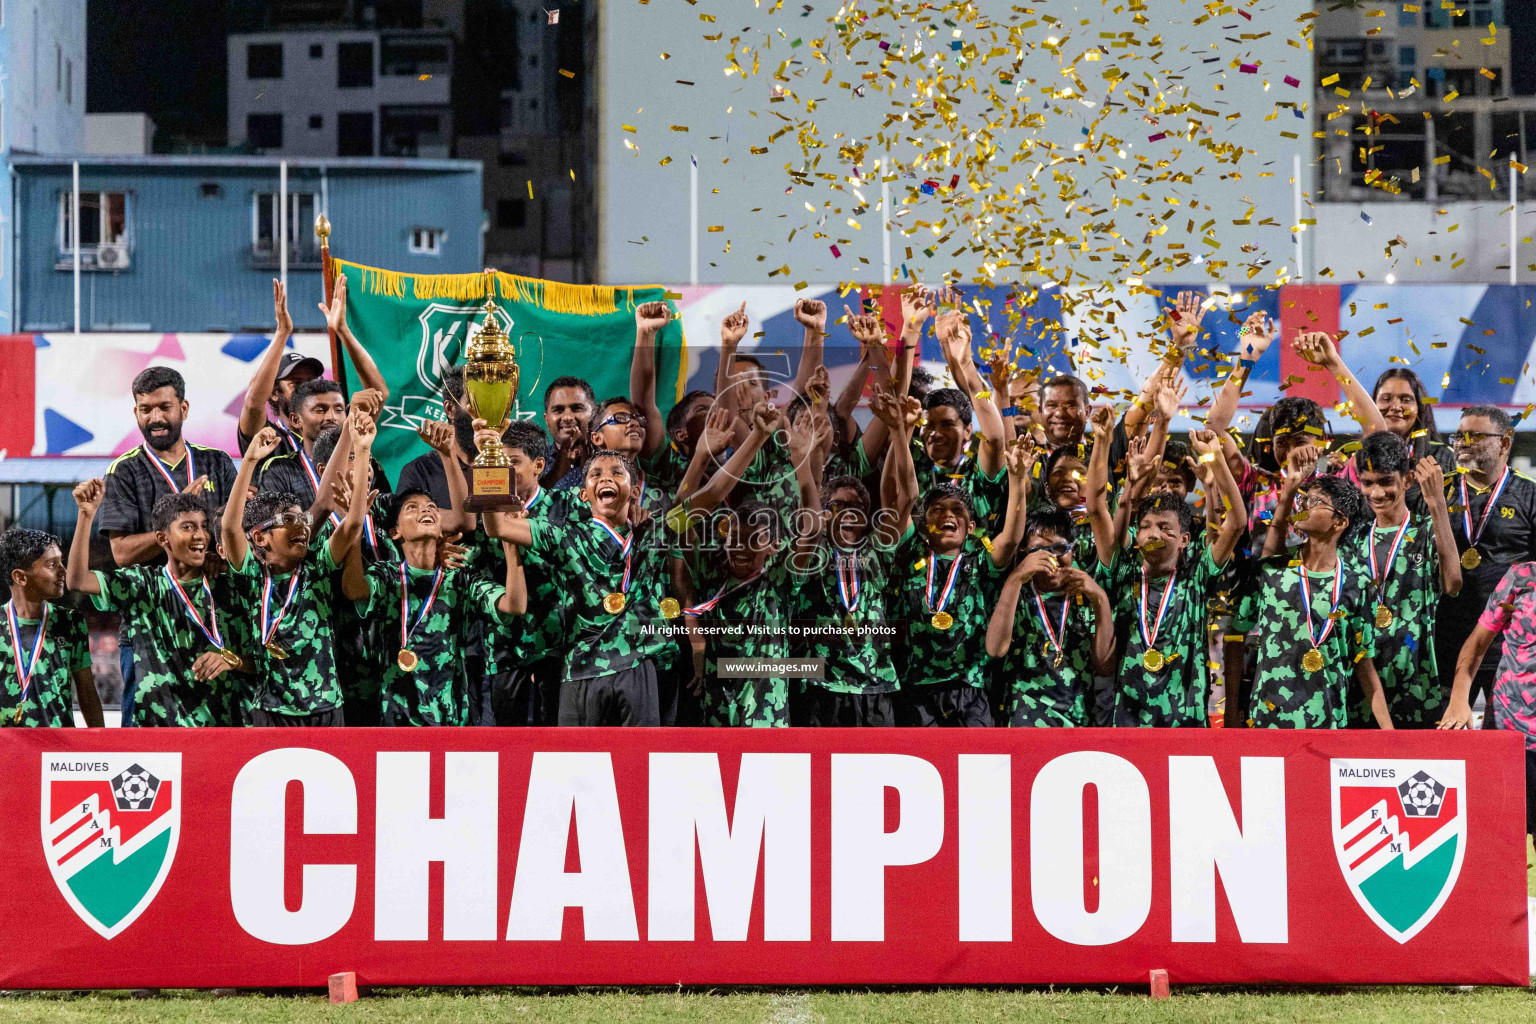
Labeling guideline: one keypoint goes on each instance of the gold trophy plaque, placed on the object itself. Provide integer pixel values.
(490, 386)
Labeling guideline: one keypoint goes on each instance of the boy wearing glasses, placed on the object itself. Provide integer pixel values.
(1311, 616)
(1493, 518)
(289, 587)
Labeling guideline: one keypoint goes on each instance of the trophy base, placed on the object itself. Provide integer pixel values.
(490, 488)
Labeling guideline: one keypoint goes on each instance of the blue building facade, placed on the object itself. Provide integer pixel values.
(191, 243)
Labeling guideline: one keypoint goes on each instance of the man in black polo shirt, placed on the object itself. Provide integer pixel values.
(1493, 517)
(316, 406)
(165, 464)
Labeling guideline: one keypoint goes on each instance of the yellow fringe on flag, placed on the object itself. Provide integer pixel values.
(554, 296)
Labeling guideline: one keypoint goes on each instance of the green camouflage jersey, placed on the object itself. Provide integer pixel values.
(762, 602)
(523, 640)
(770, 478)
(664, 469)
(166, 643)
(436, 690)
(1040, 692)
(66, 648)
(586, 564)
(1285, 694)
(304, 682)
(948, 657)
(859, 660)
(360, 661)
(989, 495)
(1406, 647)
(1176, 693)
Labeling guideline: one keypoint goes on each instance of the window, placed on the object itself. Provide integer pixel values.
(210, 190)
(316, 122)
(414, 131)
(264, 60)
(354, 134)
(427, 241)
(303, 247)
(1405, 79)
(511, 213)
(512, 159)
(103, 222)
(354, 65)
(264, 131)
(1407, 56)
(1406, 19)
(316, 51)
(414, 55)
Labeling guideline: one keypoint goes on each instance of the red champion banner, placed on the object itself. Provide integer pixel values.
(263, 857)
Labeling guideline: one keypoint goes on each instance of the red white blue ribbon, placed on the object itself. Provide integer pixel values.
(1466, 507)
(368, 534)
(949, 584)
(268, 632)
(1380, 578)
(1149, 638)
(210, 629)
(1306, 602)
(1053, 636)
(626, 545)
(170, 481)
(309, 468)
(24, 667)
(407, 628)
(727, 588)
(848, 582)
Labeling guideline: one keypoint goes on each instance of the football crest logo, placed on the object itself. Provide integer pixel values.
(1399, 830)
(110, 824)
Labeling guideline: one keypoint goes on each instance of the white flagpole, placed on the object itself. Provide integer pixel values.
(1514, 221)
(282, 228)
(693, 220)
(74, 241)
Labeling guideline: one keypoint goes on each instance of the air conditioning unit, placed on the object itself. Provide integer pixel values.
(112, 256)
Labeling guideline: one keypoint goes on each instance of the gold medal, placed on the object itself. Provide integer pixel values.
(1471, 558)
(849, 620)
(1312, 661)
(942, 620)
(670, 608)
(1153, 660)
(407, 660)
(1383, 616)
(231, 659)
(275, 650)
(613, 603)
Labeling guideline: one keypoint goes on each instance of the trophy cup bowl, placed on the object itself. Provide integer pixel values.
(490, 387)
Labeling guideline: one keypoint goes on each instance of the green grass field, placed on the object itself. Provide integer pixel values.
(609, 1006)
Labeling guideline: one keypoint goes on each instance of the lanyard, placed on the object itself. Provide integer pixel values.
(1053, 636)
(169, 480)
(1149, 639)
(626, 546)
(24, 667)
(949, 584)
(959, 471)
(407, 628)
(701, 608)
(309, 469)
(288, 437)
(268, 632)
(210, 629)
(1466, 507)
(1306, 602)
(1380, 578)
(368, 534)
(848, 582)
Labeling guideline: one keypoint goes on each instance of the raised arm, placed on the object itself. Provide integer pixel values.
(869, 332)
(336, 319)
(1216, 476)
(1431, 480)
(77, 570)
(1184, 318)
(765, 421)
(1319, 349)
(917, 305)
(806, 434)
(650, 318)
(812, 313)
(344, 537)
(719, 432)
(898, 477)
(732, 329)
(439, 437)
(1105, 540)
(253, 412)
(515, 600)
(954, 332)
(1253, 340)
(232, 527)
(1298, 470)
(1020, 460)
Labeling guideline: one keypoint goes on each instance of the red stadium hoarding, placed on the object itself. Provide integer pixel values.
(263, 857)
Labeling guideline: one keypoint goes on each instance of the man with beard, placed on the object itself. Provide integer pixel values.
(568, 406)
(1493, 518)
(164, 464)
(281, 371)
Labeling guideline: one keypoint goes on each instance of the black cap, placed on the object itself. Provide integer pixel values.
(293, 362)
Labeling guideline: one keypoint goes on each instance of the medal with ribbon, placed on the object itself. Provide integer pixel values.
(1379, 577)
(269, 631)
(368, 531)
(24, 664)
(1312, 661)
(941, 618)
(309, 468)
(209, 629)
(407, 658)
(614, 603)
(1153, 660)
(170, 481)
(848, 584)
(1472, 558)
(1053, 637)
(727, 588)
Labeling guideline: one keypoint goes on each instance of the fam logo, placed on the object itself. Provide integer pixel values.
(447, 328)
(1399, 829)
(110, 824)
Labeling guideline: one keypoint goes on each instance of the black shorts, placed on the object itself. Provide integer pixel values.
(272, 719)
(817, 706)
(622, 698)
(944, 705)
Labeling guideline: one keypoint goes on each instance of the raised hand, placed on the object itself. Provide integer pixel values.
(1301, 463)
(812, 313)
(719, 429)
(1000, 369)
(1317, 348)
(766, 419)
(484, 433)
(1102, 419)
(362, 425)
(372, 402)
(733, 328)
(335, 314)
(1184, 318)
(1169, 397)
(88, 495)
(915, 308)
(1256, 335)
(280, 307)
(438, 436)
(1430, 478)
(1140, 464)
(802, 437)
(1019, 458)
(819, 386)
(263, 444)
(651, 317)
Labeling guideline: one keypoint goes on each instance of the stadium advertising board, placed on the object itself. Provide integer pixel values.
(263, 857)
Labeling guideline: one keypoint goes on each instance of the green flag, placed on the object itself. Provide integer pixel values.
(414, 326)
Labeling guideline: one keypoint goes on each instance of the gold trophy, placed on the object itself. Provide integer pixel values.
(490, 385)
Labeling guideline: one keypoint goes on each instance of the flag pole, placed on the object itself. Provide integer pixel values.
(328, 281)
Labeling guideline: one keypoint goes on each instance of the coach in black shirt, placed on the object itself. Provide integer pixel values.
(317, 405)
(1493, 516)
